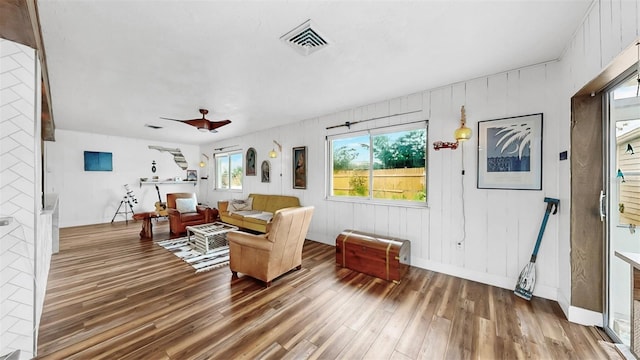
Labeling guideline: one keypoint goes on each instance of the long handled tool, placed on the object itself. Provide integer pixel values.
(527, 278)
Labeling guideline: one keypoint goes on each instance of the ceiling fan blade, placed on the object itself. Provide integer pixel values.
(199, 123)
(181, 120)
(217, 124)
(202, 124)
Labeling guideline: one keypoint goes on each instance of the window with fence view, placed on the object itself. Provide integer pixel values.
(229, 171)
(384, 164)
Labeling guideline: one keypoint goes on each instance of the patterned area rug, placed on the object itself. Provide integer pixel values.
(180, 247)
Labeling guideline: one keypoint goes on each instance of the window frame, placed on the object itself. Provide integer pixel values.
(371, 133)
(229, 155)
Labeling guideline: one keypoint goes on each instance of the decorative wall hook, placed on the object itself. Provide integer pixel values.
(445, 145)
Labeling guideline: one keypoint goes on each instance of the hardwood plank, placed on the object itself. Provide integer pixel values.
(485, 339)
(450, 297)
(113, 296)
(460, 344)
(366, 336)
(435, 343)
(392, 332)
(414, 334)
(301, 351)
(275, 351)
(330, 348)
(505, 317)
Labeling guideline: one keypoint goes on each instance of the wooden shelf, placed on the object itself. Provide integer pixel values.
(167, 182)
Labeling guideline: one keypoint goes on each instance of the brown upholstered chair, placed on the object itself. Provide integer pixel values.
(267, 256)
(196, 215)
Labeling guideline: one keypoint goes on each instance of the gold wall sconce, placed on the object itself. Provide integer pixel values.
(202, 162)
(463, 133)
(273, 154)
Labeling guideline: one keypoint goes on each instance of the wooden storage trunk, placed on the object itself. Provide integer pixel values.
(381, 256)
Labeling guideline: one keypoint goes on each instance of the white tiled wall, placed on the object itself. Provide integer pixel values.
(18, 144)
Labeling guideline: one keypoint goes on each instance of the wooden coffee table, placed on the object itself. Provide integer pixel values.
(147, 227)
(209, 236)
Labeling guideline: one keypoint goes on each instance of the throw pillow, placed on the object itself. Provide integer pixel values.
(186, 205)
(241, 205)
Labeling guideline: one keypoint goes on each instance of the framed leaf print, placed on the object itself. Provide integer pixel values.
(510, 153)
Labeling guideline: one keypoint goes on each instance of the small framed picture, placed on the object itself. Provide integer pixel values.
(300, 167)
(510, 153)
(251, 162)
(192, 175)
(266, 170)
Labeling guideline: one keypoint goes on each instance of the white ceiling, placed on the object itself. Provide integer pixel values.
(115, 66)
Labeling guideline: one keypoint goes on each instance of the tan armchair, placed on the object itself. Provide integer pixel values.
(179, 220)
(267, 256)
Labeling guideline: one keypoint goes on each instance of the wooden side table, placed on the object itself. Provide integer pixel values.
(147, 227)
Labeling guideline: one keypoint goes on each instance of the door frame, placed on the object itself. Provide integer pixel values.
(606, 184)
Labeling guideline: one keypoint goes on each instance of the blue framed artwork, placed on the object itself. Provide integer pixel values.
(98, 161)
(510, 153)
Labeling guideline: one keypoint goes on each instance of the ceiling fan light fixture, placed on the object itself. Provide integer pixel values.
(203, 124)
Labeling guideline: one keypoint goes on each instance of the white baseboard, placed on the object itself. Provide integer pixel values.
(542, 291)
(321, 238)
(585, 317)
(579, 315)
(564, 303)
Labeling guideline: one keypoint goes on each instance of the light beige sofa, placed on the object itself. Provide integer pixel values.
(261, 203)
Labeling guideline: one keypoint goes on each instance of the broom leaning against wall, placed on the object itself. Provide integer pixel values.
(527, 279)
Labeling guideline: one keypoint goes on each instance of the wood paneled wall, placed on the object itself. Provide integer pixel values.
(493, 238)
(601, 49)
(500, 225)
(587, 245)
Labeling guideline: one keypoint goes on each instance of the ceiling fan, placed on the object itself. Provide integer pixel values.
(203, 124)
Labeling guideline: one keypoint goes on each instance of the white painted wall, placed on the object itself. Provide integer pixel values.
(501, 225)
(92, 197)
(610, 27)
(21, 294)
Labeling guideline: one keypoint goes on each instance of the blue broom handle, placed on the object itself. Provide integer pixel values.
(550, 205)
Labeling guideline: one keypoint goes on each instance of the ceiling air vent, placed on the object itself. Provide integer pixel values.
(305, 39)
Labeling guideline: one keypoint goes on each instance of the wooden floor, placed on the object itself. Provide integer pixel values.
(113, 296)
